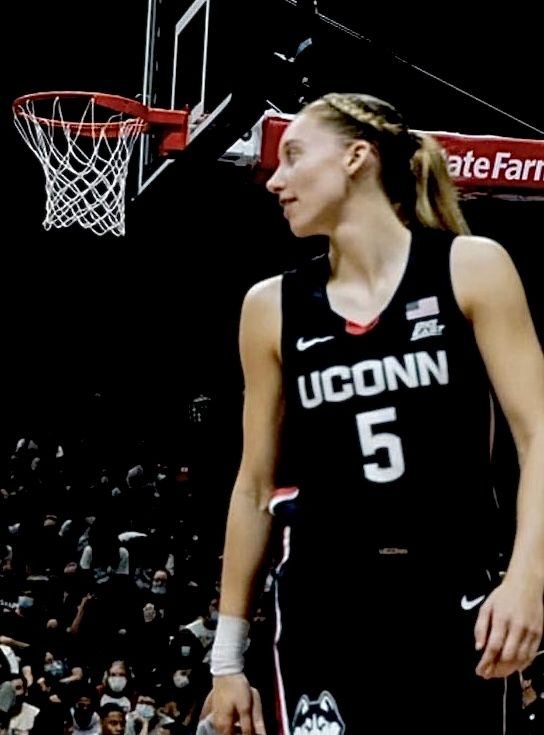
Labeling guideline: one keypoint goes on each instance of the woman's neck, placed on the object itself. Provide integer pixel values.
(368, 242)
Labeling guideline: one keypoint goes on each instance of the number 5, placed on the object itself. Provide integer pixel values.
(371, 442)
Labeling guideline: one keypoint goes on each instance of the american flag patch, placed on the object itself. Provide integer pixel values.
(422, 307)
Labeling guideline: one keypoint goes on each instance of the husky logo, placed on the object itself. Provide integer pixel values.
(317, 717)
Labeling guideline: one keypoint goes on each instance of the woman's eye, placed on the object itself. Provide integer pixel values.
(291, 155)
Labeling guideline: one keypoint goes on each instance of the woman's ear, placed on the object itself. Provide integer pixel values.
(355, 156)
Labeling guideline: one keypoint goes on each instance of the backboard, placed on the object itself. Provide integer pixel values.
(182, 68)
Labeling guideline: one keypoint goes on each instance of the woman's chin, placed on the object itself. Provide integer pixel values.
(301, 229)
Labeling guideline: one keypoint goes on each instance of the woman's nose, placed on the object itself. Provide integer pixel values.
(274, 184)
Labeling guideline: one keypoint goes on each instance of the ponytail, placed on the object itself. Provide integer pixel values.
(436, 203)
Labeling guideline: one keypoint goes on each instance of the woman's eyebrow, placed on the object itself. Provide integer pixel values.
(292, 143)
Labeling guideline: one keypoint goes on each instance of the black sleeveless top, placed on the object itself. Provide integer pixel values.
(387, 426)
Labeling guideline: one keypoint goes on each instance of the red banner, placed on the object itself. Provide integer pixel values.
(475, 161)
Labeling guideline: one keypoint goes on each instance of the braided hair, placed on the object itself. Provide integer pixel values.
(414, 171)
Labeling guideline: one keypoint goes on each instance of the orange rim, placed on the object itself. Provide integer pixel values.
(137, 123)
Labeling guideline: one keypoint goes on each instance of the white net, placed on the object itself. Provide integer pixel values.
(85, 162)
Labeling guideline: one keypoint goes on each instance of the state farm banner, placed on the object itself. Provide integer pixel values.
(484, 161)
(475, 161)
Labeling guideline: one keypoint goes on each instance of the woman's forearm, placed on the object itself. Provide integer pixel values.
(246, 543)
(527, 558)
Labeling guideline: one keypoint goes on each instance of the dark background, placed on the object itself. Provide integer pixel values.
(149, 321)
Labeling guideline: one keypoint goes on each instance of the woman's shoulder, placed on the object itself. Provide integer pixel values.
(262, 301)
(477, 245)
(260, 319)
(265, 291)
(481, 267)
(477, 256)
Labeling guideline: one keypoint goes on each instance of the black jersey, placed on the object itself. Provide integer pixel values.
(388, 424)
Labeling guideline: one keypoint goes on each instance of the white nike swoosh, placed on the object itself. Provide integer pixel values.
(303, 344)
(469, 604)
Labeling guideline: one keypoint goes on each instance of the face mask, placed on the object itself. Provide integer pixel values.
(117, 683)
(83, 717)
(147, 711)
(158, 589)
(55, 668)
(180, 680)
(25, 602)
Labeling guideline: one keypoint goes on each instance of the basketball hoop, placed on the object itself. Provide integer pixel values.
(85, 150)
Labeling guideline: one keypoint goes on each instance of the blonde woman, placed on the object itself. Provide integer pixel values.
(370, 372)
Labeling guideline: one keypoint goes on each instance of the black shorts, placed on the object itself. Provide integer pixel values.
(384, 649)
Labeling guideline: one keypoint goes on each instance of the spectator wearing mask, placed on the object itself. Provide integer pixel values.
(161, 595)
(145, 719)
(19, 628)
(16, 714)
(184, 693)
(53, 658)
(116, 687)
(85, 719)
(185, 651)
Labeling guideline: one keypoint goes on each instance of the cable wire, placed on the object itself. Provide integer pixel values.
(360, 37)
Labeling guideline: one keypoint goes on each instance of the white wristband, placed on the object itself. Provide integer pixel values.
(229, 645)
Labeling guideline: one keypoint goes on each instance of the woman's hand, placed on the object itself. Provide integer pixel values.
(509, 628)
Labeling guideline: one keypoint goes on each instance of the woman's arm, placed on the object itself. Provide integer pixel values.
(249, 523)
(490, 292)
